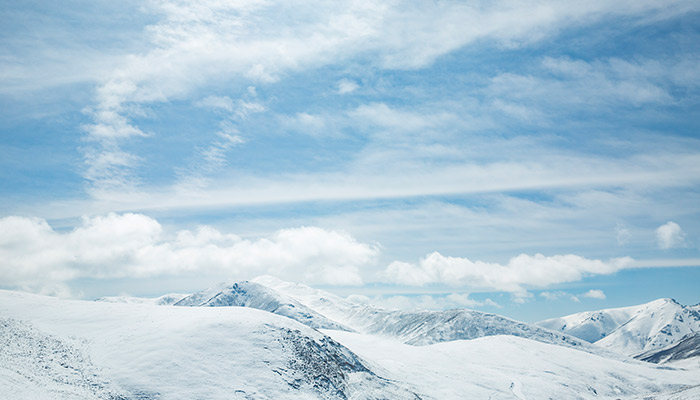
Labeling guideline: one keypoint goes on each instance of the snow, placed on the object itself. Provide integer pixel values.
(631, 330)
(67, 349)
(255, 295)
(416, 327)
(686, 348)
(507, 367)
(150, 352)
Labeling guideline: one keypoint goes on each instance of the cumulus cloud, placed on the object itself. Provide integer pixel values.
(670, 235)
(595, 294)
(135, 245)
(520, 272)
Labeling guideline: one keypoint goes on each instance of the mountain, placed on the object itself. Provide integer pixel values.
(255, 295)
(66, 349)
(415, 327)
(687, 347)
(631, 330)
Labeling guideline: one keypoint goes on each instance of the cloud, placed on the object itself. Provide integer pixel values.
(216, 102)
(595, 294)
(197, 45)
(135, 246)
(564, 86)
(559, 295)
(520, 272)
(670, 235)
(347, 86)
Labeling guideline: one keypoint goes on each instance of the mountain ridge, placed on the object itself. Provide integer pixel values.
(631, 330)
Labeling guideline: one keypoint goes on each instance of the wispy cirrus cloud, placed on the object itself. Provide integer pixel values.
(193, 46)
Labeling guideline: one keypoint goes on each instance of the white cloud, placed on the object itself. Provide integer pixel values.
(570, 84)
(670, 235)
(134, 245)
(216, 102)
(308, 124)
(347, 86)
(595, 294)
(559, 295)
(520, 272)
(384, 116)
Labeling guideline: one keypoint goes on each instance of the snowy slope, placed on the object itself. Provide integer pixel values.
(508, 367)
(688, 347)
(165, 300)
(631, 330)
(142, 351)
(61, 349)
(416, 327)
(255, 295)
(34, 365)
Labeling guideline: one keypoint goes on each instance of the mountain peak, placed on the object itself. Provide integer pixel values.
(631, 330)
(256, 295)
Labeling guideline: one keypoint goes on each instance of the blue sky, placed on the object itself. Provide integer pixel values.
(527, 159)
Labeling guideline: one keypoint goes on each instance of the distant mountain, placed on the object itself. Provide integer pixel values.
(688, 347)
(67, 349)
(415, 327)
(255, 295)
(165, 300)
(631, 330)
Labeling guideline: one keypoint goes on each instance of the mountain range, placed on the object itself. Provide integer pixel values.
(631, 330)
(270, 339)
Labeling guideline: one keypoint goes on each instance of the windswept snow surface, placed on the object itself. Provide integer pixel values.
(255, 295)
(150, 352)
(631, 330)
(416, 327)
(509, 367)
(34, 365)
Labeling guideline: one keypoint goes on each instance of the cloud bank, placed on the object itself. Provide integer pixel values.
(134, 245)
(520, 272)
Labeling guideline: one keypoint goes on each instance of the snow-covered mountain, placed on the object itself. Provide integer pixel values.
(62, 349)
(66, 349)
(631, 330)
(255, 295)
(415, 327)
(687, 347)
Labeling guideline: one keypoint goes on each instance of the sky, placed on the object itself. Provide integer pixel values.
(531, 159)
